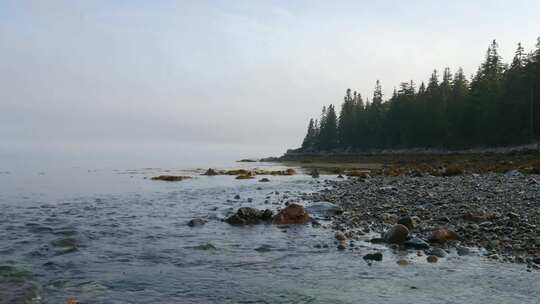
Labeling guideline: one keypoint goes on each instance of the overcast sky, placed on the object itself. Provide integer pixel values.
(233, 72)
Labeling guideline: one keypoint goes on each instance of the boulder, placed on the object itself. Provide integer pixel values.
(249, 216)
(442, 236)
(292, 214)
(315, 173)
(377, 256)
(397, 234)
(264, 180)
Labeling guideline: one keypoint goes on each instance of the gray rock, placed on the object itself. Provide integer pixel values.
(416, 243)
(438, 252)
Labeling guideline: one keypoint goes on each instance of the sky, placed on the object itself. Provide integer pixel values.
(92, 75)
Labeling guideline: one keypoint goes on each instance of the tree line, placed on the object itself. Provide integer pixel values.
(499, 105)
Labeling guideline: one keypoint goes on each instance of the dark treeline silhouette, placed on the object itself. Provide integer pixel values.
(499, 105)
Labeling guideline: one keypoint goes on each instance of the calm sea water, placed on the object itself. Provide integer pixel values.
(133, 244)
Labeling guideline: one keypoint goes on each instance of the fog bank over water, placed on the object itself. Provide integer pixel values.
(128, 155)
(143, 81)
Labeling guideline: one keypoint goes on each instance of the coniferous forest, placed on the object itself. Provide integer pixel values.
(499, 105)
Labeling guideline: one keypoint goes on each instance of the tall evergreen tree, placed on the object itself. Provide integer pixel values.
(499, 106)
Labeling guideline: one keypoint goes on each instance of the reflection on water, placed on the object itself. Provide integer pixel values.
(112, 236)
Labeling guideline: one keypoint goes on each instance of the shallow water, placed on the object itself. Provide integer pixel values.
(132, 245)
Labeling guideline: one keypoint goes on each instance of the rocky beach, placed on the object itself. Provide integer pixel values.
(497, 214)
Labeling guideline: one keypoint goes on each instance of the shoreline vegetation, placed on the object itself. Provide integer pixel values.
(498, 106)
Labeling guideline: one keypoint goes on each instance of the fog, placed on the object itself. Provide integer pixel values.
(83, 76)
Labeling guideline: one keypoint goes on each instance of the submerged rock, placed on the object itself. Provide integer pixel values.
(16, 286)
(206, 246)
(171, 178)
(65, 245)
(264, 180)
(397, 234)
(324, 209)
(197, 222)
(249, 216)
(377, 256)
(291, 215)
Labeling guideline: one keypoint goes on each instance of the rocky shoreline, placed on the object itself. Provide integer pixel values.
(499, 213)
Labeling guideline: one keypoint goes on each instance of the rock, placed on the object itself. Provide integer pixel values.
(340, 176)
(264, 180)
(408, 222)
(264, 248)
(397, 234)
(170, 178)
(315, 173)
(290, 171)
(245, 176)
(292, 214)
(206, 246)
(250, 200)
(438, 252)
(340, 236)
(389, 218)
(237, 197)
(342, 246)
(249, 216)
(442, 236)
(416, 243)
(432, 259)
(377, 256)
(210, 172)
(402, 262)
(197, 222)
(72, 301)
(536, 260)
(324, 209)
(463, 250)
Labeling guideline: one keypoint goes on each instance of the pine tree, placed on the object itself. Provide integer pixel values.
(310, 139)
(499, 106)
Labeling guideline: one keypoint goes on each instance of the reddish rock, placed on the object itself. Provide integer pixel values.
(293, 214)
(442, 236)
